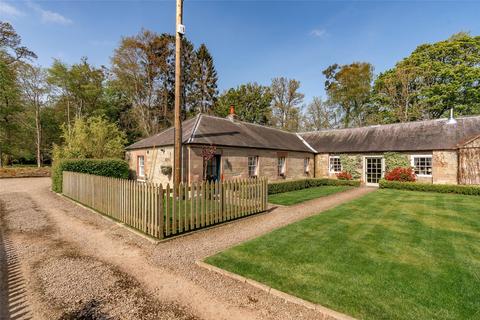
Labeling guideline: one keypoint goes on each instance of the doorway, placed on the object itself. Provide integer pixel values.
(213, 168)
(373, 170)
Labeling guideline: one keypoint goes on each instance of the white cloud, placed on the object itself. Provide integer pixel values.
(48, 16)
(9, 10)
(54, 17)
(319, 33)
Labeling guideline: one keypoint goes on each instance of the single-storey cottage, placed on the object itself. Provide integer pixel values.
(237, 150)
(443, 151)
(440, 151)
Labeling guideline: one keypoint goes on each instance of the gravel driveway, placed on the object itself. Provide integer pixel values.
(65, 262)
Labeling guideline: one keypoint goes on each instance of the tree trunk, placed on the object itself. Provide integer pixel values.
(38, 134)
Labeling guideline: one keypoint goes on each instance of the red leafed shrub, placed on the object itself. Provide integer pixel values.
(344, 175)
(401, 174)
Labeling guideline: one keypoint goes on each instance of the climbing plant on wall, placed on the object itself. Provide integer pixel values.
(352, 165)
(395, 160)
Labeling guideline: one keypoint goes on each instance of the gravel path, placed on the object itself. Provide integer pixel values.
(79, 265)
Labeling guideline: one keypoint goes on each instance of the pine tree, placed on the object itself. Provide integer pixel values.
(204, 94)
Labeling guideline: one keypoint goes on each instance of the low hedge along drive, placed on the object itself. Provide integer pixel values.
(114, 168)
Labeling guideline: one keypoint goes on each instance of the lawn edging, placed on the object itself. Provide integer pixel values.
(427, 187)
(327, 313)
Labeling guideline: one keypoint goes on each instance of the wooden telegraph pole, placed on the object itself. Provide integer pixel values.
(179, 32)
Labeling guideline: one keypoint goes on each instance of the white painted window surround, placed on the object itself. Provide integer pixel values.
(422, 165)
(252, 166)
(306, 165)
(282, 168)
(334, 164)
(141, 166)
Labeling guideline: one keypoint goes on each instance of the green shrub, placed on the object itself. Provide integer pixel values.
(292, 185)
(442, 188)
(115, 168)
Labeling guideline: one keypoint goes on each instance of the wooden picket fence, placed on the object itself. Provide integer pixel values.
(162, 211)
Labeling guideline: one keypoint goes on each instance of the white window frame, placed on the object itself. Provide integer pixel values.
(141, 168)
(365, 168)
(255, 165)
(330, 164)
(412, 162)
(306, 165)
(282, 166)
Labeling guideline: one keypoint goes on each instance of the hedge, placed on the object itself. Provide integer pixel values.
(115, 168)
(426, 187)
(292, 185)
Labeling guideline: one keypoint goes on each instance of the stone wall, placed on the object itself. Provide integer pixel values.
(322, 169)
(469, 162)
(445, 167)
(234, 163)
(155, 158)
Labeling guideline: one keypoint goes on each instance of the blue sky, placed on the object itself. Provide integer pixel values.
(249, 40)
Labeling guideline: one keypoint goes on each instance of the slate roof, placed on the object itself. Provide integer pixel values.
(411, 136)
(207, 130)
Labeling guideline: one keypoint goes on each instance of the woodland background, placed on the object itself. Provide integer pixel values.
(87, 111)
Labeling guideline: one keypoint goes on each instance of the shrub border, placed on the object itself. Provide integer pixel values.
(292, 185)
(427, 187)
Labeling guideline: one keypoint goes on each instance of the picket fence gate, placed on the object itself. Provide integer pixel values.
(163, 211)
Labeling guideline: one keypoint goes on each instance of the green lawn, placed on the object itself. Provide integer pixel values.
(388, 255)
(297, 196)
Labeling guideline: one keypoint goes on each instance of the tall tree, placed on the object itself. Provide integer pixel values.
(349, 87)
(320, 115)
(143, 68)
(78, 88)
(252, 103)
(204, 93)
(286, 103)
(35, 90)
(433, 79)
(12, 53)
(10, 45)
(10, 109)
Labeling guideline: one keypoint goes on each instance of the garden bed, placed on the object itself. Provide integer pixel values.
(24, 172)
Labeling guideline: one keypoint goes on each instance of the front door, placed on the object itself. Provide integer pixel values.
(373, 170)
(213, 168)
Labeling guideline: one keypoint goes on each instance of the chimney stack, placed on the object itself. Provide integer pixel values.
(231, 116)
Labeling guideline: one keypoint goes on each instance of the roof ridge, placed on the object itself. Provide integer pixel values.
(388, 124)
(249, 123)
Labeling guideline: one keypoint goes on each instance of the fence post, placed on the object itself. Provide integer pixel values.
(161, 213)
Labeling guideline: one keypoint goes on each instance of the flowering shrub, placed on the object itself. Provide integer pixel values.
(344, 175)
(401, 174)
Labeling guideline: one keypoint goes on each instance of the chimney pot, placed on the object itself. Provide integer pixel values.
(231, 116)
